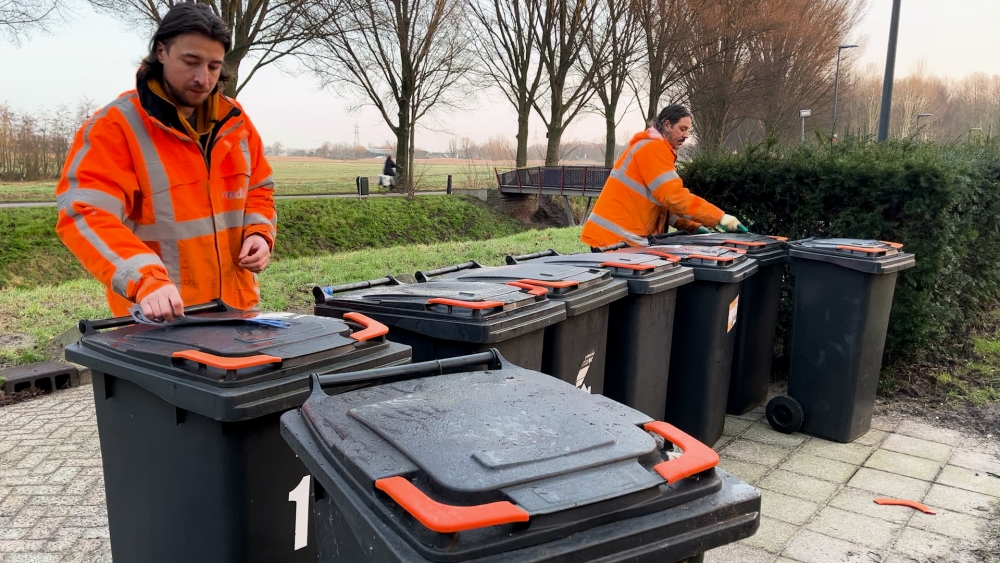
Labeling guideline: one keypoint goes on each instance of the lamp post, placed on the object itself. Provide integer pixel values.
(836, 88)
(804, 113)
(890, 70)
(919, 115)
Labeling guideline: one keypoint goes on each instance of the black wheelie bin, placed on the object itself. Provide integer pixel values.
(760, 299)
(843, 296)
(704, 335)
(443, 320)
(506, 465)
(574, 349)
(195, 469)
(640, 326)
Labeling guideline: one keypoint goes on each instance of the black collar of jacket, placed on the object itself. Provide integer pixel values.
(158, 108)
(165, 111)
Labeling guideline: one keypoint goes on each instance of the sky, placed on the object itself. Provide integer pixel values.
(95, 56)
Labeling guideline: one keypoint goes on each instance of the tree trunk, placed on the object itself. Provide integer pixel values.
(523, 113)
(232, 62)
(611, 142)
(403, 156)
(552, 147)
(654, 102)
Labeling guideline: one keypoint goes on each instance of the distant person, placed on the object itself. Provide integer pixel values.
(644, 192)
(166, 196)
(389, 170)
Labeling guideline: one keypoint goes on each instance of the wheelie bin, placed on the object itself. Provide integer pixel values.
(843, 295)
(505, 465)
(701, 352)
(758, 312)
(640, 326)
(195, 469)
(574, 349)
(442, 320)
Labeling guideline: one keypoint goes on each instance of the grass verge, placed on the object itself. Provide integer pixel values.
(44, 313)
(31, 254)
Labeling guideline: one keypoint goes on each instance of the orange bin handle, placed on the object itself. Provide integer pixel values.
(782, 239)
(896, 245)
(716, 258)
(753, 244)
(225, 363)
(862, 249)
(552, 284)
(697, 457)
(623, 266)
(373, 328)
(664, 255)
(532, 289)
(477, 305)
(446, 518)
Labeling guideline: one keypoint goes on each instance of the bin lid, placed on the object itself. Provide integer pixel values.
(865, 255)
(581, 289)
(644, 273)
(765, 249)
(477, 454)
(230, 352)
(710, 263)
(463, 311)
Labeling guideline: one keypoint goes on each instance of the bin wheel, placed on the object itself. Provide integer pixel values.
(785, 414)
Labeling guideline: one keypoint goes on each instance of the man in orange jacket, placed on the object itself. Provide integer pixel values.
(644, 192)
(166, 197)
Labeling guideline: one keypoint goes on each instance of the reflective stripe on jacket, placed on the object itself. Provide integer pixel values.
(642, 194)
(142, 205)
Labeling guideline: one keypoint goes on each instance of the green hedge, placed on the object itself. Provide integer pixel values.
(941, 202)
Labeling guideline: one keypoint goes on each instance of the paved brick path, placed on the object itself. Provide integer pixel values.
(817, 495)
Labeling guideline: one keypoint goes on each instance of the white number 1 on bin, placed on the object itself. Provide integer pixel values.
(300, 496)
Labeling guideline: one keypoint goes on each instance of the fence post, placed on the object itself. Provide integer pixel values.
(449, 184)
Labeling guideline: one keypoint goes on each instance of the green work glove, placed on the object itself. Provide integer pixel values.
(731, 224)
(702, 230)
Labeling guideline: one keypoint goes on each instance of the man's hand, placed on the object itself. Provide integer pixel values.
(163, 304)
(255, 254)
(732, 224)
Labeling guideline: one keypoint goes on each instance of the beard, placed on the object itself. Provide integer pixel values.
(184, 97)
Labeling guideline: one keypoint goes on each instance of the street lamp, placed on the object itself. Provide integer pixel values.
(804, 113)
(919, 115)
(836, 87)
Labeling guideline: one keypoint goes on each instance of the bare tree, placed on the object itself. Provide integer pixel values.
(793, 59)
(721, 83)
(20, 17)
(562, 29)
(504, 36)
(666, 43)
(265, 31)
(614, 43)
(400, 56)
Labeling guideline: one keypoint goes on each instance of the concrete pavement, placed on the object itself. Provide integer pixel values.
(817, 496)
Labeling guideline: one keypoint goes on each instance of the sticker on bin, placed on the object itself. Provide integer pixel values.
(251, 318)
(581, 376)
(733, 308)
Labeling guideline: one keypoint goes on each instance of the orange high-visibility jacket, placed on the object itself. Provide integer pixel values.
(140, 204)
(642, 194)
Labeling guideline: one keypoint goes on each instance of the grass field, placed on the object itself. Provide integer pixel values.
(304, 176)
(32, 319)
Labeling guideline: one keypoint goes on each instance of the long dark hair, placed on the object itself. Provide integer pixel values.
(670, 114)
(186, 17)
